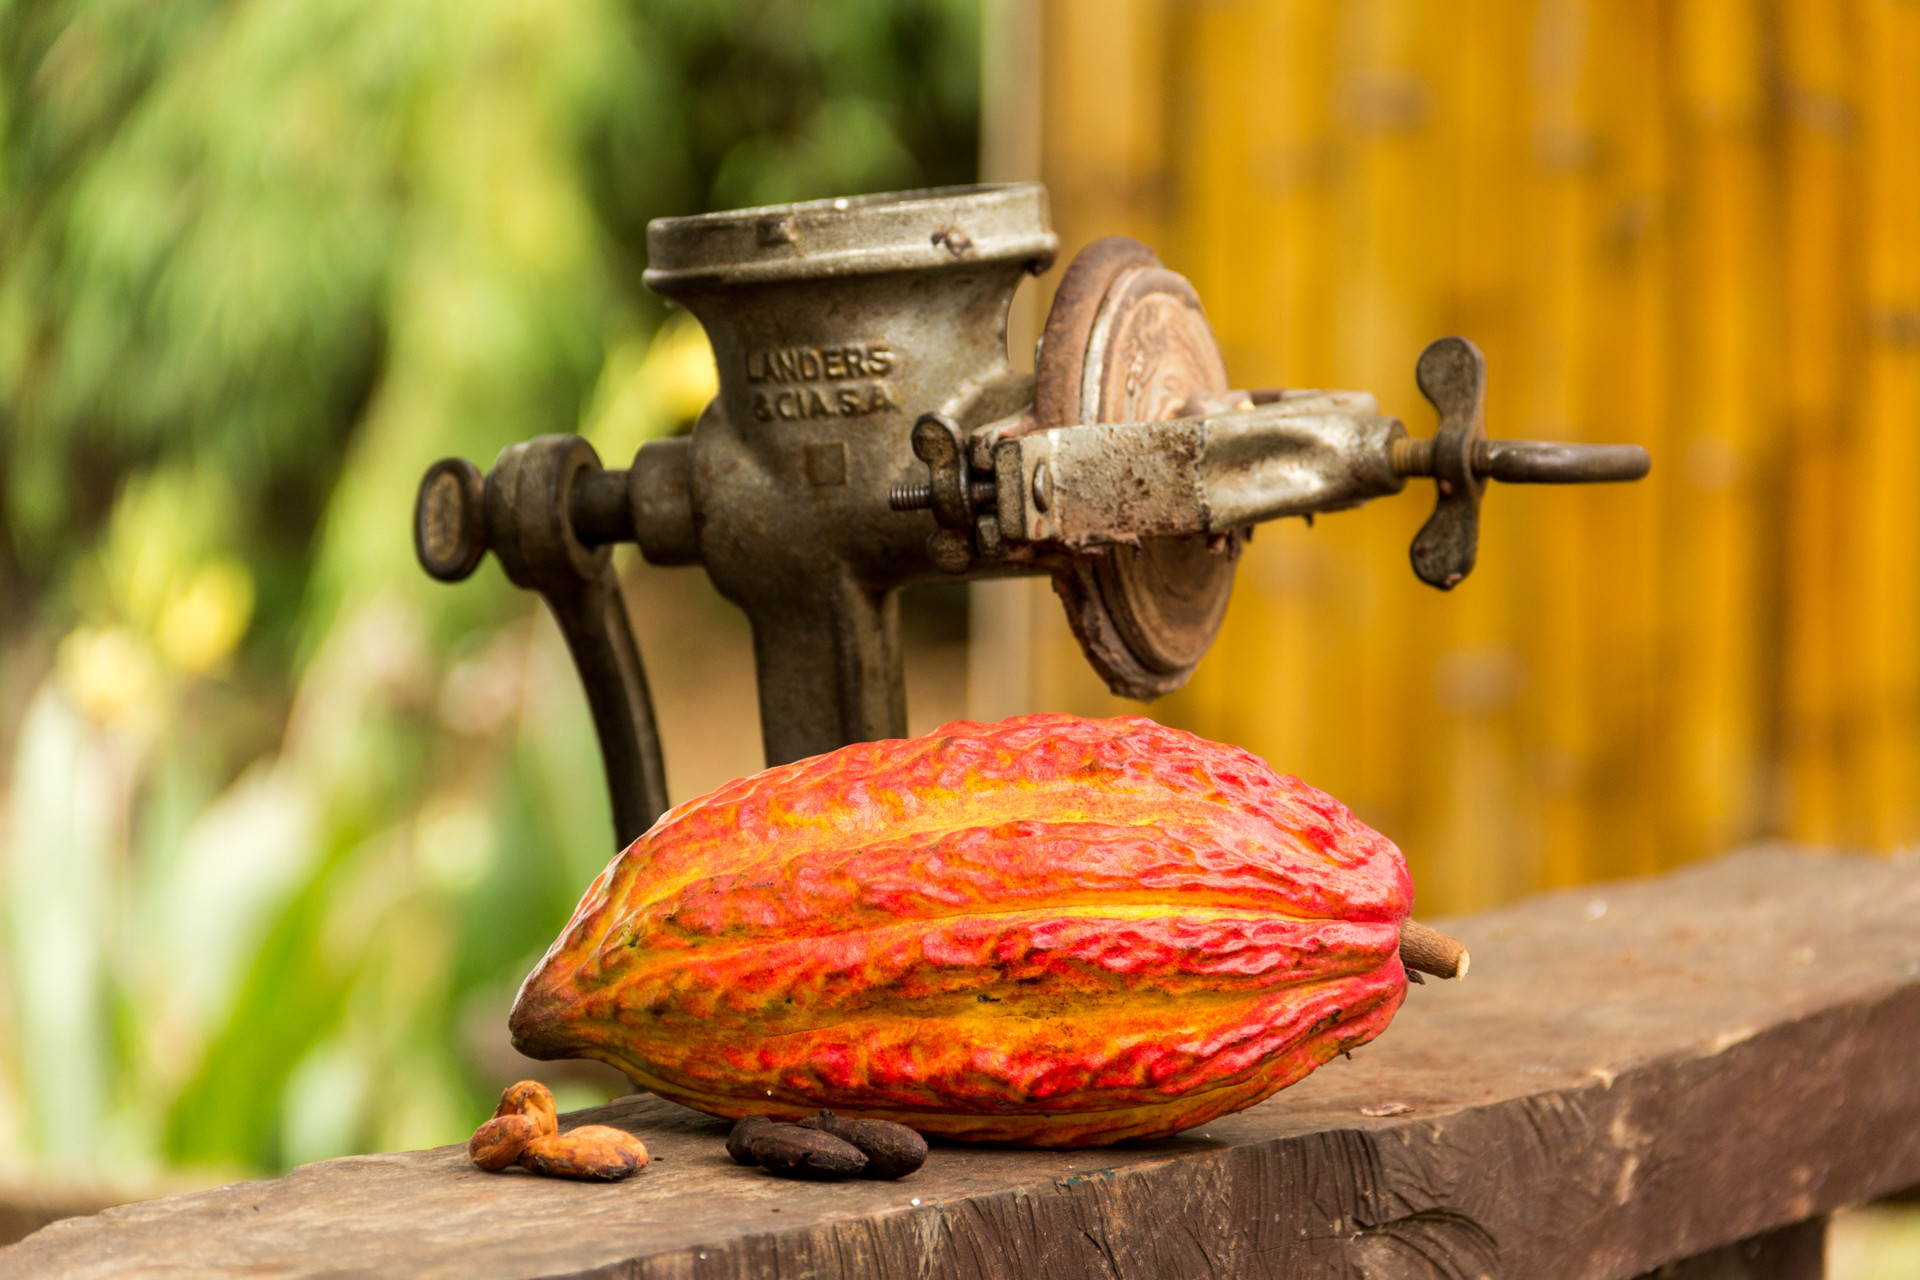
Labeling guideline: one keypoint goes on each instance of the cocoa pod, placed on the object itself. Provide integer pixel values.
(591, 1153)
(739, 1141)
(793, 1152)
(1048, 932)
(892, 1150)
(530, 1098)
(499, 1142)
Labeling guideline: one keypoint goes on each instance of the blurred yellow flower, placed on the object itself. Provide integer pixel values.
(454, 841)
(647, 388)
(108, 672)
(199, 626)
(680, 365)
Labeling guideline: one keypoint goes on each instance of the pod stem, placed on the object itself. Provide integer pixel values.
(1427, 950)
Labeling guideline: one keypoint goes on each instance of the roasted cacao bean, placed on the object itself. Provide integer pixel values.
(793, 1152)
(499, 1142)
(530, 1098)
(591, 1153)
(740, 1140)
(892, 1150)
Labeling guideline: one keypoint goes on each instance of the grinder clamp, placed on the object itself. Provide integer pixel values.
(869, 433)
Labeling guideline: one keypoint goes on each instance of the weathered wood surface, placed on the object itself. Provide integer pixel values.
(1718, 1053)
(26, 1209)
(1796, 1252)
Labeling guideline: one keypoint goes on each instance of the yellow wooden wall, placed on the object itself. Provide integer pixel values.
(1694, 224)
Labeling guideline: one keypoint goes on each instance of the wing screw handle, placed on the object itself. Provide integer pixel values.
(1453, 377)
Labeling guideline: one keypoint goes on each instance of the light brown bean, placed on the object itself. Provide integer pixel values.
(499, 1142)
(530, 1098)
(593, 1152)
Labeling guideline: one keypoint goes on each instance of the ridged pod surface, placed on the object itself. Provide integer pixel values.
(1049, 931)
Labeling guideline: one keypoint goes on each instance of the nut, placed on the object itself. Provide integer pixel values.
(793, 1152)
(530, 1098)
(740, 1140)
(499, 1142)
(592, 1153)
(892, 1150)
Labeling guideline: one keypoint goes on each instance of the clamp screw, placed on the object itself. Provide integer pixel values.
(911, 497)
(918, 497)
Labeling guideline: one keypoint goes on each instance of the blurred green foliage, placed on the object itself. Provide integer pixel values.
(285, 822)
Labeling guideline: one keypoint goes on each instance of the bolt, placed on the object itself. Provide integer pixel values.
(1043, 486)
(918, 497)
(1410, 457)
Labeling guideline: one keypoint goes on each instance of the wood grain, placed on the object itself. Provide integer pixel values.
(1634, 1073)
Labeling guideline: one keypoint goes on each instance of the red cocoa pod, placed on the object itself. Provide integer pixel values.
(1048, 931)
(794, 1152)
(530, 1098)
(892, 1150)
(740, 1141)
(591, 1153)
(499, 1142)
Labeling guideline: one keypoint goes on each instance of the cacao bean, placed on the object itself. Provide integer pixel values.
(741, 1139)
(591, 1153)
(892, 1150)
(530, 1098)
(793, 1152)
(499, 1142)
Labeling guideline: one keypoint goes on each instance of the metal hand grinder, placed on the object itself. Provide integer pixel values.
(869, 434)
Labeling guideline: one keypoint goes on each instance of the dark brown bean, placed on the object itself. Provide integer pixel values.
(741, 1138)
(892, 1150)
(499, 1142)
(530, 1098)
(793, 1152)
(591, 1153)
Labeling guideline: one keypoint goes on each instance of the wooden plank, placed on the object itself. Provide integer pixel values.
(1885, 662)
(1561, 643)
(1822, 199)
(1382, 314)
(1258, 215)
(1634, 1073)
(1720, 514)
(1475, 845)
(1105, 156)
(24, 1209)
(1630, 397)
(1000, 611)
(1798, 1252)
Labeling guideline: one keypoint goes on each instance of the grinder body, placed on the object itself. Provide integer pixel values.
(870, 433)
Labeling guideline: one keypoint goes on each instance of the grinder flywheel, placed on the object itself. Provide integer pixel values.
(1127, 341)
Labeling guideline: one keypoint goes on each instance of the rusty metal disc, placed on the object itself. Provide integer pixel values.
(1127, 341)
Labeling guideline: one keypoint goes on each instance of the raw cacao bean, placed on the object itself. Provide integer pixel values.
(499, 1142)
(892, 1150)
(740, 1140)
(530, 1098)
(793, 1152)
(1048, 931)
(591, 1153)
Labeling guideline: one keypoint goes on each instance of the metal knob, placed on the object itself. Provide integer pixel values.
(550, 515)
(449, 519)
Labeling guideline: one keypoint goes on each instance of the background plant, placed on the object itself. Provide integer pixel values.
(284, 822)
